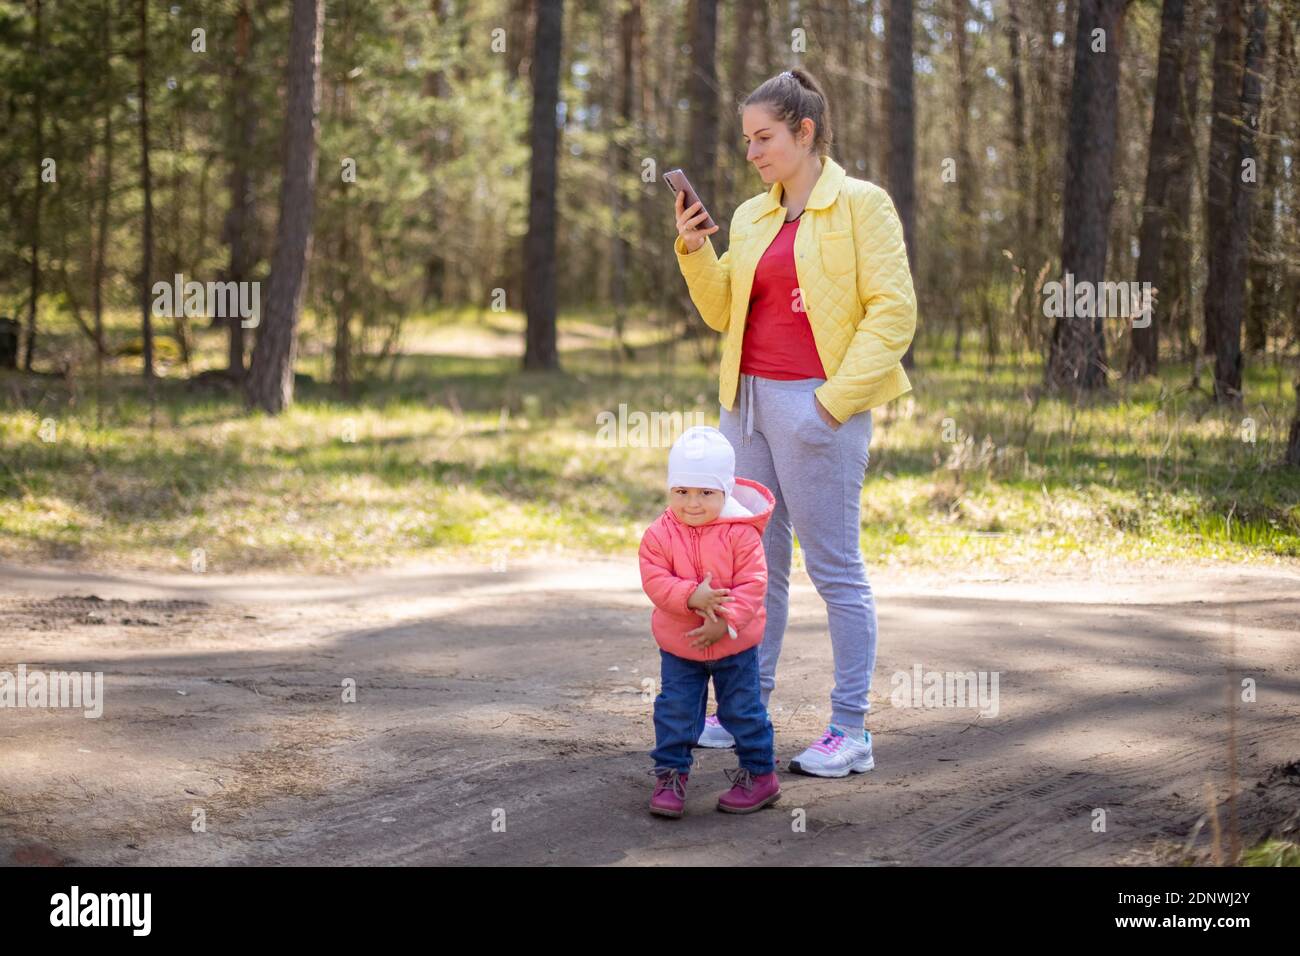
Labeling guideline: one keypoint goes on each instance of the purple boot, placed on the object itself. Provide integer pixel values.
(749, 792)
(670, 793)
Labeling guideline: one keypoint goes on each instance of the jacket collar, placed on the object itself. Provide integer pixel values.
(823, 194)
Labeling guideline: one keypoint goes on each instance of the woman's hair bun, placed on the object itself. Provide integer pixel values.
(791, 104)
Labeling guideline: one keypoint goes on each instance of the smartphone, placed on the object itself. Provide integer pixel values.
(677, 182)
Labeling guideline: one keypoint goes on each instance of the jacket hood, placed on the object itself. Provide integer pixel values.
(753, 496)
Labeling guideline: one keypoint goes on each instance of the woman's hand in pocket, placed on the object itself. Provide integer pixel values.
(827, 417)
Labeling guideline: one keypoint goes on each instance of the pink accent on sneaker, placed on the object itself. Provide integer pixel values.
(749, 792)
(670, 793)
(830, 743)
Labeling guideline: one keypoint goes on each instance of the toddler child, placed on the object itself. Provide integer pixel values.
(702, 565)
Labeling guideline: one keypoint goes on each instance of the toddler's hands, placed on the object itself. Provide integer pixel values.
(708, 633)
(708, 600)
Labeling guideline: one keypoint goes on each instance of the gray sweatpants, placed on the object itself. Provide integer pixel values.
(816, 474)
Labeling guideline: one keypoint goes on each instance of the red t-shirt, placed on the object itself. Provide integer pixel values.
(778, 339)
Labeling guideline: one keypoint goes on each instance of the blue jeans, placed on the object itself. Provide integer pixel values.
(683, 696)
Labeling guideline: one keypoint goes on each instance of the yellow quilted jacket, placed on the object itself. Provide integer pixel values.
(854, 279)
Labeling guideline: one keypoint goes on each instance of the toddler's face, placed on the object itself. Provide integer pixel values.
(696, 505)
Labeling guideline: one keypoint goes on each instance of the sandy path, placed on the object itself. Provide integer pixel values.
(517, 697)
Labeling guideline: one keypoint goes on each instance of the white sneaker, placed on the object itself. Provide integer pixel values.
(715, 735)
(835, 755)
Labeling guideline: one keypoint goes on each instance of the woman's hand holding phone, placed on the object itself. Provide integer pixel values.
(688, 221)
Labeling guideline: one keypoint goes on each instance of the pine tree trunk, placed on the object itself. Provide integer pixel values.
(702, 92)
(1265, 264)
(621, 250)
(38, 119)
(348, 253)
(1237, 92)
(105, 191)
(243, 120)
(1228, 385)
(1077, 360)
(1020, 155)
(1042, 130)
(270, 379)
(1144, 355)
(540, 348)
(902, 131)
(146, 186)
(967, 279)
(1174, 303)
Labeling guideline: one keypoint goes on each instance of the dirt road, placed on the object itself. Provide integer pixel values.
(502, 718)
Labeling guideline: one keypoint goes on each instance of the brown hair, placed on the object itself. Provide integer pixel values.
(792, 96)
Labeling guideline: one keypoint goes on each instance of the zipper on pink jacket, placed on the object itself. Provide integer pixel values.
(699, 567)
(695, 554)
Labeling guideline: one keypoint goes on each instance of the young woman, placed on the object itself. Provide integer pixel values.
(814, 297)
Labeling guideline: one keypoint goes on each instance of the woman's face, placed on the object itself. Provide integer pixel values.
(775, 153)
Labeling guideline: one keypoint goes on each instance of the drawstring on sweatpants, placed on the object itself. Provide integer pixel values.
(748, 401)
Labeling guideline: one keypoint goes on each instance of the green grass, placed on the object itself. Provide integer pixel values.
(1272, 853)
(456, 453)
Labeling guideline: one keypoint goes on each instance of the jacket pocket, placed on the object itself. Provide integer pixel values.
(837, 252)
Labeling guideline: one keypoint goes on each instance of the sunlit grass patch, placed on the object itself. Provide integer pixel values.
(466, 456)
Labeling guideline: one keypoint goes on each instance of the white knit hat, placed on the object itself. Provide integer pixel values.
(702, 458)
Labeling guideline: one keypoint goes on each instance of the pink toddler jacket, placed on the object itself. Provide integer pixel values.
(675, 557)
